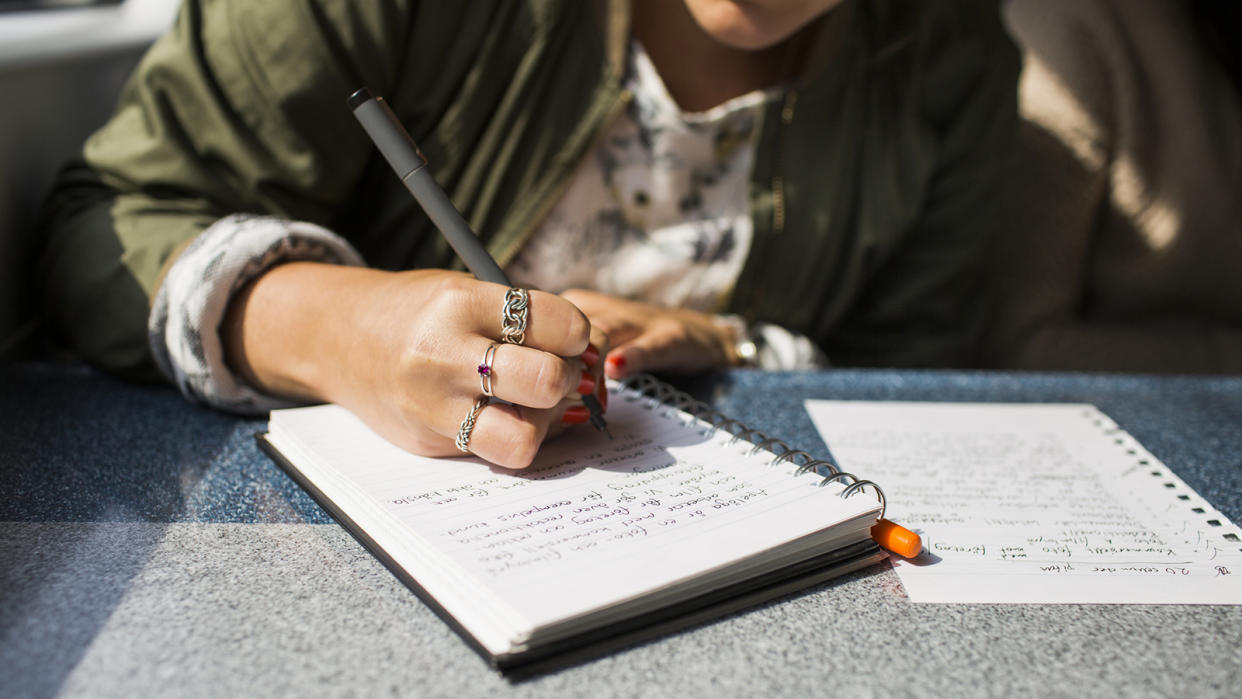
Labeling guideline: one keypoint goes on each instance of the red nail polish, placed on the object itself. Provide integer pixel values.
(586, 384)
(576, 415)
(591, 355)
(617, 361)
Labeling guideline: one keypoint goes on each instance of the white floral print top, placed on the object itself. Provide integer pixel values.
(660, 211)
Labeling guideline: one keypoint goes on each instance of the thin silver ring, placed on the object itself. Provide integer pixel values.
(467, 425)
(513, 318)
(485, 369)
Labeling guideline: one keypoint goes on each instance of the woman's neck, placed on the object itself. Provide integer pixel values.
(699, 71)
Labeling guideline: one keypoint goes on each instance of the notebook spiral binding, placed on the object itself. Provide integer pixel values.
(648, 386)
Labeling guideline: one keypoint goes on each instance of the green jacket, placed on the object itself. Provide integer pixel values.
(870, 190)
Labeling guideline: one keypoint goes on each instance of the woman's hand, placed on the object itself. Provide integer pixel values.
(650, 338)
(400, 350)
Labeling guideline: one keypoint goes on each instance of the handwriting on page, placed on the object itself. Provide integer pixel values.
(1010, 499)
(1003, 484)
(670, 508)
(634, 490)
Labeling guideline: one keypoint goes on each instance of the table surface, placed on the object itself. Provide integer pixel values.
(148, 548)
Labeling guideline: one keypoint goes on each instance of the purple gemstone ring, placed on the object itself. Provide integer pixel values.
(485, 369)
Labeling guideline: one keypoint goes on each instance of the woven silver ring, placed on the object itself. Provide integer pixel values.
(513, 319)
(485, 369)
(467, 425)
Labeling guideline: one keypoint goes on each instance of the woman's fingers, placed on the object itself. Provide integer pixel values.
(648, 338)
(527, 376)
(552, 324)
(506, 435)
(509, 435)
(678, 343)
(539, 378)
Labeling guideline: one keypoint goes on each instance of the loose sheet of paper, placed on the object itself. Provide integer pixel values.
(1034, 503)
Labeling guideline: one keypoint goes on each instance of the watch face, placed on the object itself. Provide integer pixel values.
(744, 347)
(747, 352)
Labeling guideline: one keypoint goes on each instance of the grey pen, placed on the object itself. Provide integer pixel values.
(399, 149)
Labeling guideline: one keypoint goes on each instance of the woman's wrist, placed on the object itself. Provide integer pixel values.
(284, 331)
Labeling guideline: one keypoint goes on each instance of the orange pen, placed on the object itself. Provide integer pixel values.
(896, 538)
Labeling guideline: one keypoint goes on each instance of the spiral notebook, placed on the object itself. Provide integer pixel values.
(685, 515)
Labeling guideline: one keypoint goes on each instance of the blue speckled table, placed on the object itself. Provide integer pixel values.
(148, 548)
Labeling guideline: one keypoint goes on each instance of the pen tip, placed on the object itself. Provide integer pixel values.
(597, 414)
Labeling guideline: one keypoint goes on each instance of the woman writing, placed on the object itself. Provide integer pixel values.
(656, 169)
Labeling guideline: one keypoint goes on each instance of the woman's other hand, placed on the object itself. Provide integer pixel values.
(645, 337)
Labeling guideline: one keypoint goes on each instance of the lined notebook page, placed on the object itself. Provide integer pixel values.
(593, 522)
(1035, 503)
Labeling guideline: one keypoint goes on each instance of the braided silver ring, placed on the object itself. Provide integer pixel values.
(485, 369)
(467, 425)
(516, 312)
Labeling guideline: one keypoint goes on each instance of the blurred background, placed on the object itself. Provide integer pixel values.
(62, 64)
(1119, 234)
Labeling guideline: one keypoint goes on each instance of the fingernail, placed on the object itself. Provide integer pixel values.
(591, 355)
(616, 361)
(575, 415)
(586, 384)
(602, 394)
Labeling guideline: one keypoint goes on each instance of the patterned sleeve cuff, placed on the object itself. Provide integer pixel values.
(184, 325)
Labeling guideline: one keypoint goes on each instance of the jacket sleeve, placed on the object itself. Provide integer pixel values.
(239, 108)
(923, 305)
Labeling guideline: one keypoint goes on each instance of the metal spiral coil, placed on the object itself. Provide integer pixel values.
(646, 386)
